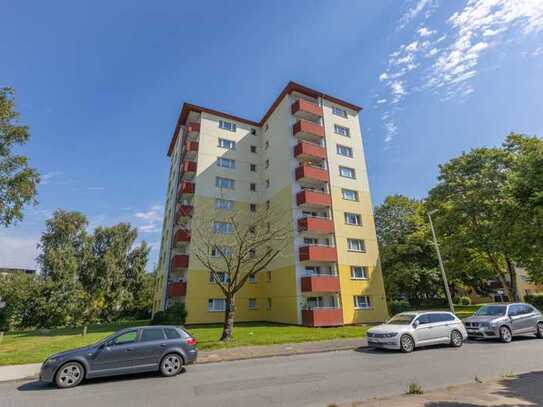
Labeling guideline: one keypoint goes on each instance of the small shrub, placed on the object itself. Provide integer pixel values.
(414, 388)
(465, 300)
(175, 315)
(536, 300)
(397, 306)
(509, 375)
(478, 379)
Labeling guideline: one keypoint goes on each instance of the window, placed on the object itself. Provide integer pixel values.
(216, 251)
(253, 132)
(269, 307)
(253, 149)
(346, 172)
(311, 241)
(342, 131)
(338, 111)
(216, 304)
(362, 302)
(152, 334)
(353, 219)
(252, 187)
(268, 204)
(344, 151)
(267, 164)
(252, 167)
(424, 319)
(359, 273)
(252, 253)
(252, 303)
(226, 162)
(349, 195)
(172, 333)
(267, 183)
(356, 245)
(224, 228)
(441, 317)
(220, 276)
(227, 125)
(269, 276)
(252, 207)
(224, 204)
(266, 145)
(127, 337)
(252, 279)
(228, 144)
(225, 183)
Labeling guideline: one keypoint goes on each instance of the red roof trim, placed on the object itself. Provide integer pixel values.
(291, 87)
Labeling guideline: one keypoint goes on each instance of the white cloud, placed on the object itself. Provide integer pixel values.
(381, 101)
(425, 32)
(412, 47)
(383, 77)
(413, 12)
(151, 220)
(536, 52)
(47, 177)
(18, 252)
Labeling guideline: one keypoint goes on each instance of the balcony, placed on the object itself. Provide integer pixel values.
(184, 211)
(188, 169)
(191, 150)
(178, 289)
(309, 131)
(322, 317)
(310, 198)
(307, 173)
(309, 152)
(305, 109)
(182, 236)
(324, 226)
(180, 261)
(186, 188)
(193, 130)
(318, 253)
(320, 283)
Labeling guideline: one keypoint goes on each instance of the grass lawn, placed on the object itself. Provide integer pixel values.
(35, 346)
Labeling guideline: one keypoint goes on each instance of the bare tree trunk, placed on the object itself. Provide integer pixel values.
(513, 277)
(229, 314)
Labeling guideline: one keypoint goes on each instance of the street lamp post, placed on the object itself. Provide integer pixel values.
(443, 275)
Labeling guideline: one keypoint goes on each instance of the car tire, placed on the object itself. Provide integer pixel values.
(69, 375)
(457, 340)
(407, 344)
(171, 365)
(539, 332)
(505, 334)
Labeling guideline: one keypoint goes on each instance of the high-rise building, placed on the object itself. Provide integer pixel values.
(305, 154)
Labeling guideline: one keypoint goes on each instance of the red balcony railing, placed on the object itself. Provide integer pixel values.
(308, 130)
(322, 317)
(178, 289)
(316, 225)
(193, 127)
(191, 146)
(311, 174)
(309, 152)
(182, 236)
(186, 187)
(320, 284)
(184, 211)
(305, 109)
(180, 261)
(313, 198)
(189, 166)
(318, 253)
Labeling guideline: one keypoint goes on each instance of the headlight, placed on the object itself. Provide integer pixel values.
(493, 324)
(50, 361)
(391, 335)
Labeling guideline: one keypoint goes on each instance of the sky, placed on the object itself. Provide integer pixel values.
(100, 83)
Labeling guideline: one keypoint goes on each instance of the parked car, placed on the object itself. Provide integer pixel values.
(504, 321)
(131, 350)
(410, 330)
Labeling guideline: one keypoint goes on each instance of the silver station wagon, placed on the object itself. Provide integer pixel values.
(410, 330)
(504, 321)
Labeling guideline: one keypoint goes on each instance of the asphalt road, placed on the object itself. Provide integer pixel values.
(313, 380)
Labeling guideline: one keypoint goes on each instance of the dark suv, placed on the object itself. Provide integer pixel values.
(131, 350)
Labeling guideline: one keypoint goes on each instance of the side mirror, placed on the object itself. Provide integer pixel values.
(416, 324)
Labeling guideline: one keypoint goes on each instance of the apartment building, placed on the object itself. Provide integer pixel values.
(305, 155)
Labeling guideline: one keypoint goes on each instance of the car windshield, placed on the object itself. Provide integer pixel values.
(491, 310)
(401, 319)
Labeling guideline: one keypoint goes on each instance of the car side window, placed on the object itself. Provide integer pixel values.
(443, 317)
(424, 319)
(526, 309)
(124, 338)
(514, 310)
(172, 333)
(152, 334)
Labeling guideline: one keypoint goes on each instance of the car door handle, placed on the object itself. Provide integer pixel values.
(129, 349)
(162, 345)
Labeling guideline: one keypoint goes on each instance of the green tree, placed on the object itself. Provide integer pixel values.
(18, 181)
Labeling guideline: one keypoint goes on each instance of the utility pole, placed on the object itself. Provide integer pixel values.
(443, 275)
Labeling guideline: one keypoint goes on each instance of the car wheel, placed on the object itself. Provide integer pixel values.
(407, 344)
(171, 365)
(456, 339)
(505, 334)
(539, 332)
(69, 375)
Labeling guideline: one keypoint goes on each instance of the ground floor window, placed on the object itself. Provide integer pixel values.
(216, 304)
(269, 304)
(252, 303)
(362, 302)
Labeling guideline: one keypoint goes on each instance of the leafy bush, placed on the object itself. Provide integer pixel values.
(429, 303)
(175, 315)
(464, 301)
(536, 300)
(397, 306)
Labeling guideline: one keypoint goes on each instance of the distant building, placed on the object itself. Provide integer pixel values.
(8, 270)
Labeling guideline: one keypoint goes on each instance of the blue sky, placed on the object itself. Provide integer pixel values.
(101, 83)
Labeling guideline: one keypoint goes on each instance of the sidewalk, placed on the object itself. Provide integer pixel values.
(18, 372)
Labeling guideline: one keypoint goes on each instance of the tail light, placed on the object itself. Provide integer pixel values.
(191, 341)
